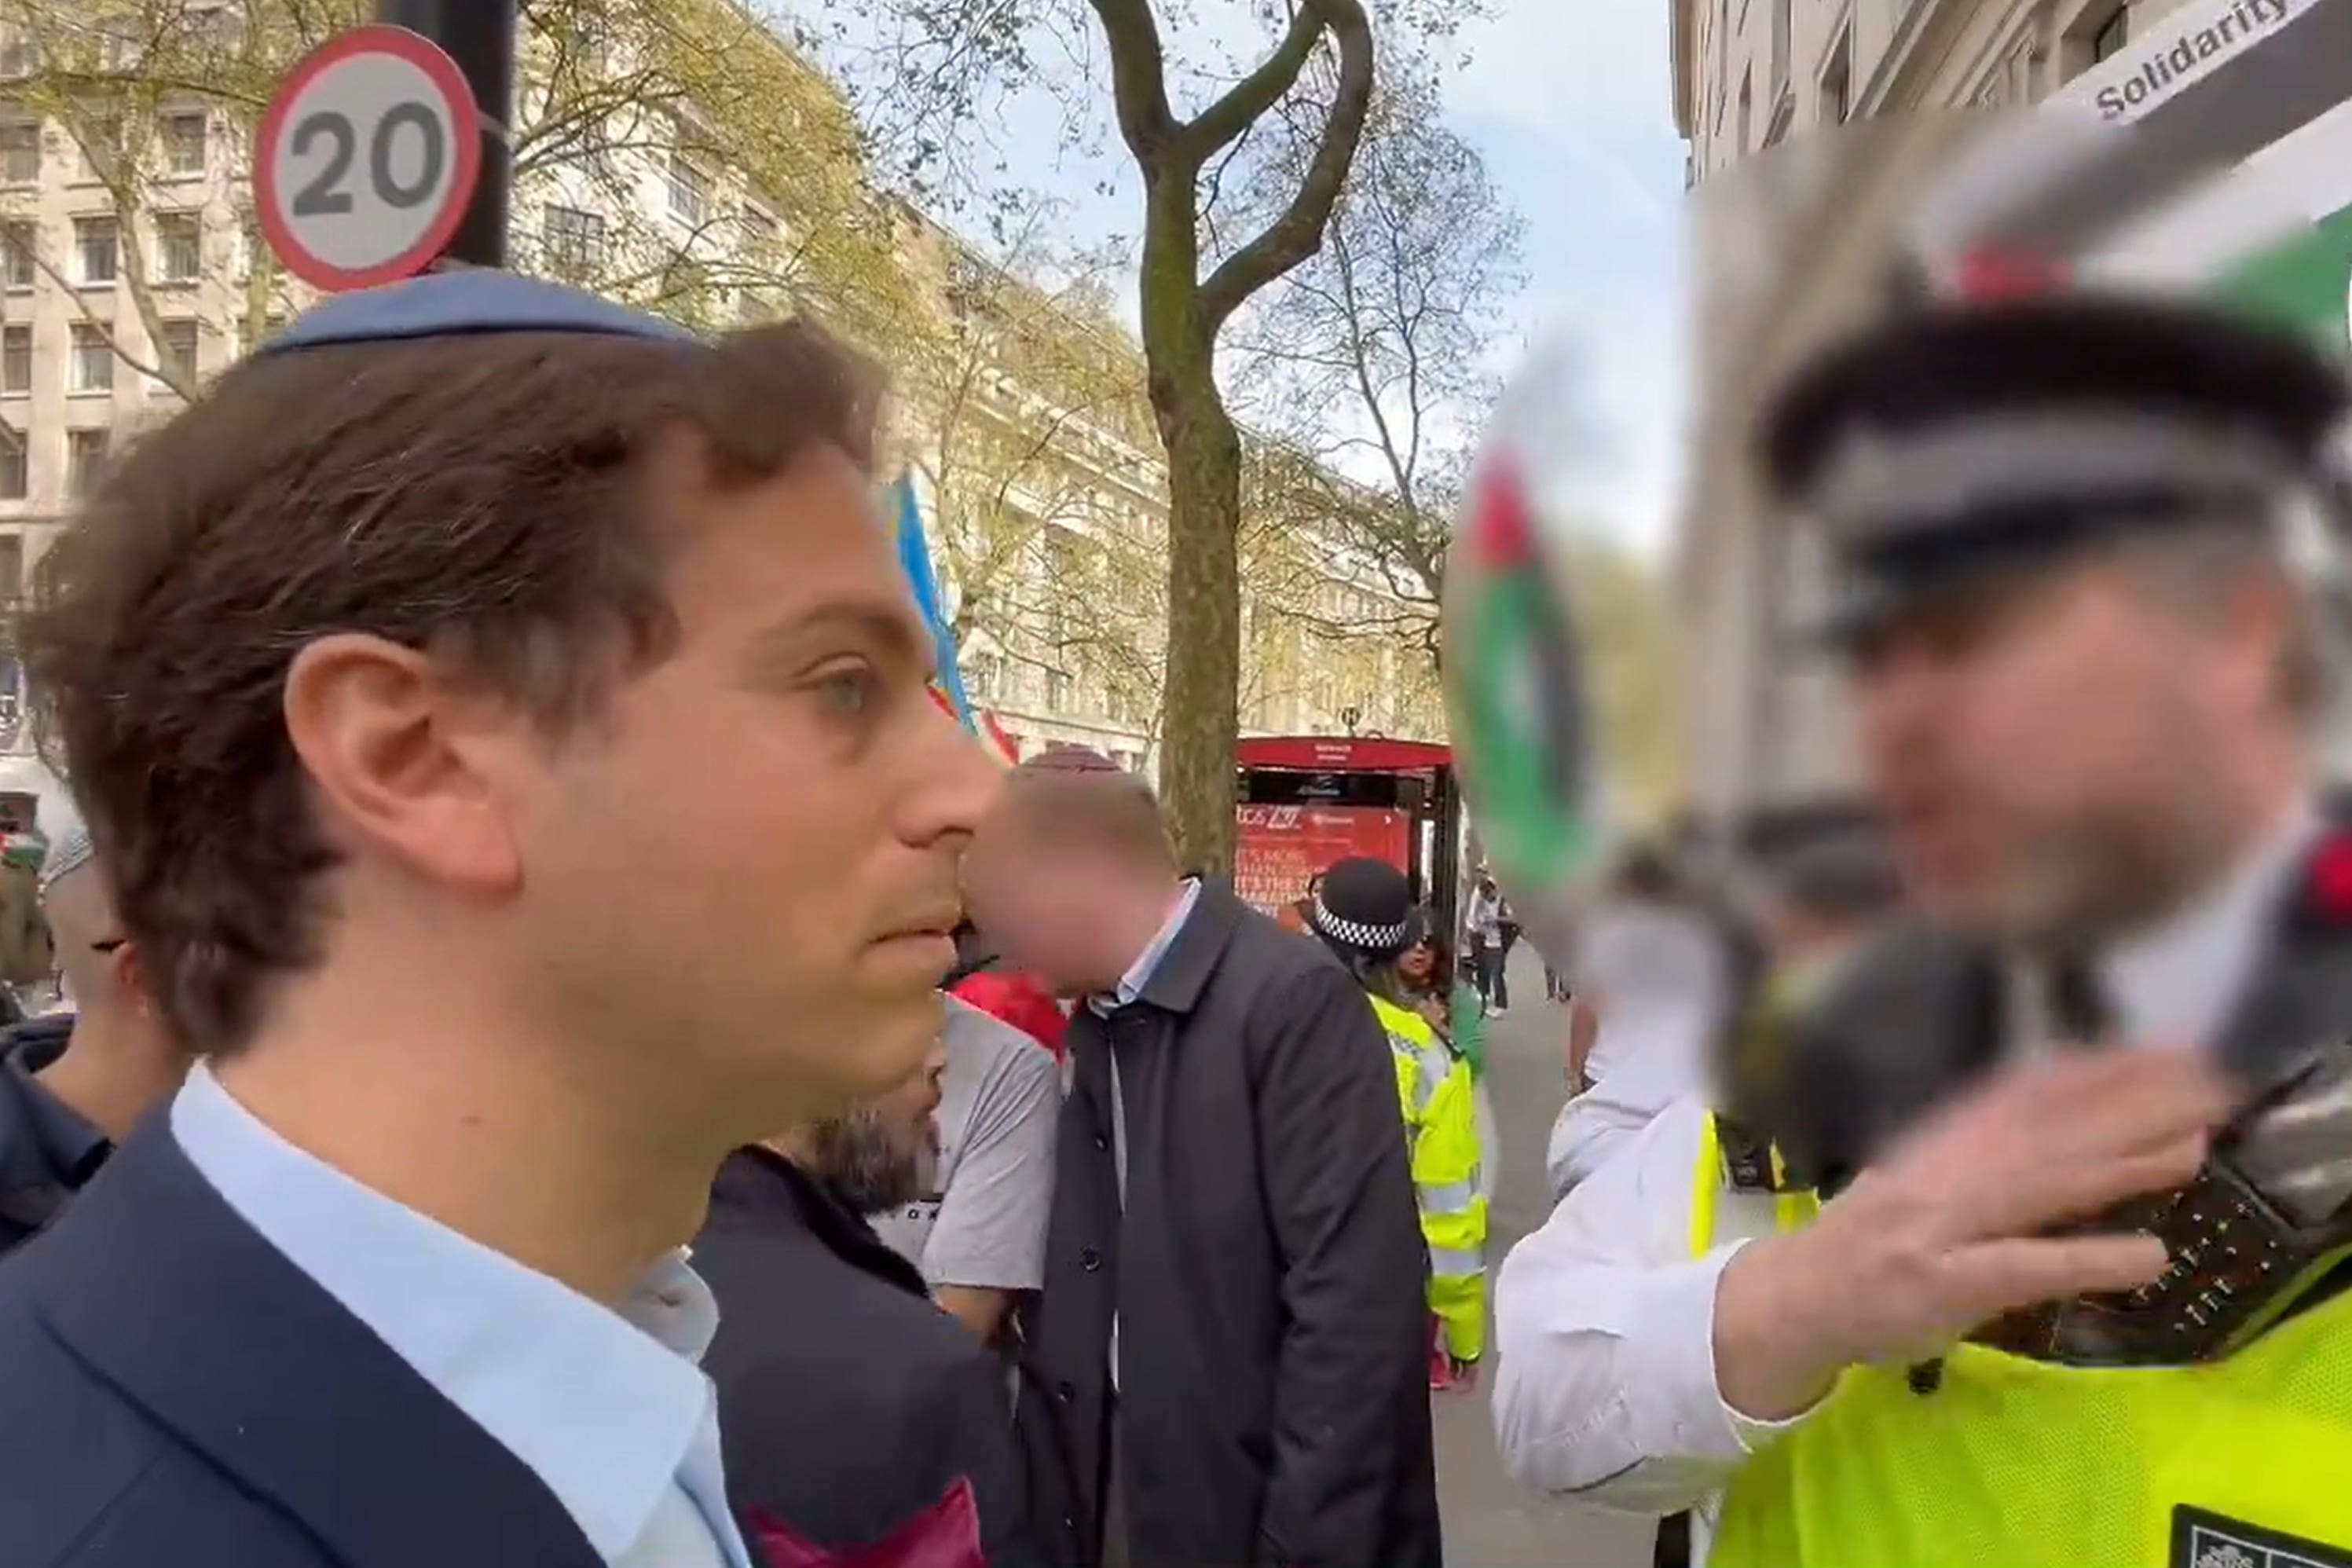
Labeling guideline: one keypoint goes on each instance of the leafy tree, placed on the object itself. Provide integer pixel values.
(1372, 361)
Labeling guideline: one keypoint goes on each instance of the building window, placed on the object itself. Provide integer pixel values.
(17, 57)
(179, 247)
(574, 240)
(15, 360)
(17, 242)
(20, 152)
(689, 190)
(2113, 33)
(96, 249)
(12, 563)
(90, 368)
(185, 142)
(85, 458)
(175, 352)
(760, 229)
(1057, 691)
(15, 472)
(985, 673)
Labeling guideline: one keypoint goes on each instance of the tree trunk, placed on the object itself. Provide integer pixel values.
(1204, 627)
(1200, 716)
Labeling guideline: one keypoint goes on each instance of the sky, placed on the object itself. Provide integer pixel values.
(1568, 102)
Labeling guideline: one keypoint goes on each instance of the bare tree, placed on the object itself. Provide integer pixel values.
(1195, 274)
(1374, 362)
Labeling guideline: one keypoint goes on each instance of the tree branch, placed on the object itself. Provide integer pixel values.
(1139, 78)
(1297, 233)
(1227, 119)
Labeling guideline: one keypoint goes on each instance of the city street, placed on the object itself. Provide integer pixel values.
(1489, 1521)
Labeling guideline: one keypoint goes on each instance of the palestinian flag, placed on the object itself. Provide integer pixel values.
(2238, 179)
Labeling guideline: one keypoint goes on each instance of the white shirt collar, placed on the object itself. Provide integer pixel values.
(2179, 981)
(604, 1407)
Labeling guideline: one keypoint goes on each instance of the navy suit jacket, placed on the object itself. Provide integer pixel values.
(174, 1394)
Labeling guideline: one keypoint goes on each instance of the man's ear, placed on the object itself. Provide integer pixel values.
(2258, 618)
(129, 977)
(395, 757)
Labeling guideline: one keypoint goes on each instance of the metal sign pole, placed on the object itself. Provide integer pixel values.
(480, 35)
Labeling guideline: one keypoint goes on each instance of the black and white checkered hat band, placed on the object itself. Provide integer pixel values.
(1356, 933)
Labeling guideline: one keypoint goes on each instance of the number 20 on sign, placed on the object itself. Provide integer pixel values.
(367, 158)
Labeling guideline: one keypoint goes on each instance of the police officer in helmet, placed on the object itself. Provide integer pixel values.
(2085, 546)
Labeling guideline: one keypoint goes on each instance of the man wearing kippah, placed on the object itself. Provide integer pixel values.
(359, 666)
(73, 1084)
(2084, 1301)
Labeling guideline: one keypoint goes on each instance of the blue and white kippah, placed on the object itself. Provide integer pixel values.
(463, 303)
(69, 853)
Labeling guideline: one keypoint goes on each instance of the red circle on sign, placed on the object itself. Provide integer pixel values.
(458, 97)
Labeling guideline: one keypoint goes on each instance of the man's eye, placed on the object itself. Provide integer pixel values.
(854, 691)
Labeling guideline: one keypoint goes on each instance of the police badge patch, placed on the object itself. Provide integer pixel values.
(2202, 1539)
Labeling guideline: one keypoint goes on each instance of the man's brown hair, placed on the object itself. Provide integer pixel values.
(1073, 797)
(480, 497)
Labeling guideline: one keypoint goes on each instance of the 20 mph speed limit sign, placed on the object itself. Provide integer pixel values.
(367, 157)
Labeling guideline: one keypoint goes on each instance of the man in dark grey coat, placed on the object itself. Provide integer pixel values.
(1228, 1362)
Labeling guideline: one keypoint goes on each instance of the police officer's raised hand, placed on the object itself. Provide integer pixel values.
(1951, 1229)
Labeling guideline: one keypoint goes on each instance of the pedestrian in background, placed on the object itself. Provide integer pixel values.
(1506, 937)
(852, 1410)
(1445, 996)
(975, 1223)
(1485, 924)
(1228, 1360)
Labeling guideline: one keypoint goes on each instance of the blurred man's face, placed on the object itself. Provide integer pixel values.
(1045, 905)
(743, 875)
(2051, 750)
(876, 1157)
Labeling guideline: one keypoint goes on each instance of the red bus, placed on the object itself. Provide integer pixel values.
(1305, 801)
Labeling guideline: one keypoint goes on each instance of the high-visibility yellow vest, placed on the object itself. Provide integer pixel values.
(1440, 1127)
(2012, 1463)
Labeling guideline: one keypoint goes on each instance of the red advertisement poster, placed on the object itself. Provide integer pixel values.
(1279, 847)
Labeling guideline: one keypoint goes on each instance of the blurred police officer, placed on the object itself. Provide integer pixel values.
(2081, 540)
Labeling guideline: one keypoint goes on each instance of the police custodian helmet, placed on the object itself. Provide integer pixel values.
(1967, 439)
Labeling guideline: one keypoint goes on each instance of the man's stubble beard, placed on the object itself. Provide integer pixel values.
(2103, 875)
(855, 1157)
